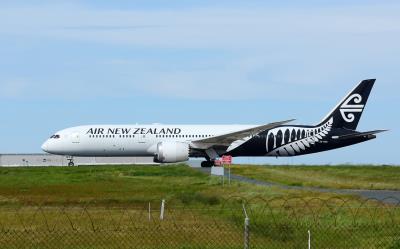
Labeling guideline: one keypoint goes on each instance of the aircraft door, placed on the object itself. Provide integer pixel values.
(75, 138)
(141, 142)
(141, 139)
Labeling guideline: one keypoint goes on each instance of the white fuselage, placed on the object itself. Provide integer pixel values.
(177, 143)
(128, 140)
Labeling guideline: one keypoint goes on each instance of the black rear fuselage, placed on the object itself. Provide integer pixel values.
(336, 130)
(292, 141)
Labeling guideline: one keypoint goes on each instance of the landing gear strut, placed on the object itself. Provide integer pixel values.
(207, 164)
(70, 161)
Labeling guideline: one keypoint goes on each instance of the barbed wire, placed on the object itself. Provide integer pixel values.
(296, 211)
(276, 222)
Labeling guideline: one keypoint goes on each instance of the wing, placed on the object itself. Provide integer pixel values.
(228, 138)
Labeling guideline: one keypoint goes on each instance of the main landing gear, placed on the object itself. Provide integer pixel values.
(207, 164)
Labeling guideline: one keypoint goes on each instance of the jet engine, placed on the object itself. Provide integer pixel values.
(172, 152)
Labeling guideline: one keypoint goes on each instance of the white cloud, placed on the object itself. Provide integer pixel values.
(199, 27)
(273, 48)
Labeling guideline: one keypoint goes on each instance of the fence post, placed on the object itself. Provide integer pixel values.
(246, 233)
(149, 211)
(229, 174)
(246, 230)
(162, 209)
(309, 239)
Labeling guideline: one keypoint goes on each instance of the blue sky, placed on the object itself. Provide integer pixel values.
(66, 63)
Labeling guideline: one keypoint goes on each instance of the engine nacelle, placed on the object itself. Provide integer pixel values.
(172, 152)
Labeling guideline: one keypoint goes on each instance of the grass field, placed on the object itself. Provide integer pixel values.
(340, 177)
(96, 200)
(123, 185)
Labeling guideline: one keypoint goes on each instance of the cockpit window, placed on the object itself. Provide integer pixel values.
(55, 136)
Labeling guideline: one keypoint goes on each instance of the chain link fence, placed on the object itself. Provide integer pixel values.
(232, 223)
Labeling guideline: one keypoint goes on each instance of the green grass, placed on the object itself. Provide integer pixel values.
(113, 201)
(98, 184)
(340, 177)
(124, 185)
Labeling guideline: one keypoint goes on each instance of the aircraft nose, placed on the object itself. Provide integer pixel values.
(45, 146)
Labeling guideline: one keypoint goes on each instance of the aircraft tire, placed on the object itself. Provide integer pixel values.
(207, 164)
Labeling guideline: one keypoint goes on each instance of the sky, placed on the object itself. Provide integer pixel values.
(68, 63)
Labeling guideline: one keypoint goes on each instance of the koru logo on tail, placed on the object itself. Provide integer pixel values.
(347, 110)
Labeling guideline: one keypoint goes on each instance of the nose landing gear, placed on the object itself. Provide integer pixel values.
(70, 161)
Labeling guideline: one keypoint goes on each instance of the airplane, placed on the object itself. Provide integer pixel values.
(178, 143)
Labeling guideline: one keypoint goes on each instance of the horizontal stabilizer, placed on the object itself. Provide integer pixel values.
(359, 134)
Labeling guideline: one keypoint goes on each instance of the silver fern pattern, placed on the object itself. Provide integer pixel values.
(290, 145)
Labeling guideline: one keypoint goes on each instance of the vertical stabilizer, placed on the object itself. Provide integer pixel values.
(348, 112)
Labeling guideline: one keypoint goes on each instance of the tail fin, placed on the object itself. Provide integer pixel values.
(348, 112)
